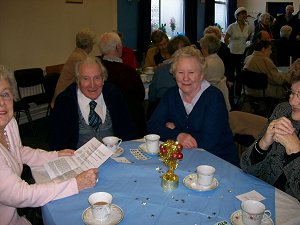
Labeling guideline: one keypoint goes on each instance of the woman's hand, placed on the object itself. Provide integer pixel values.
(87, 179)
(66, 152)
(170, 125)
(281, 126)
(290, 142)
(187, 140)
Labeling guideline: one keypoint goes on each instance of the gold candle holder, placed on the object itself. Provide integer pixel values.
(170, 153)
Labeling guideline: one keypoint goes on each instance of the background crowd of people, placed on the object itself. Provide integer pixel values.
(194, 87)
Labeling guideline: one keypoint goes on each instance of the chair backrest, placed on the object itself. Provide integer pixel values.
(29, 77)
(54, 68)
(26, 78)
(253, 80)
(245, 127)
(246, 123)
(50, 84)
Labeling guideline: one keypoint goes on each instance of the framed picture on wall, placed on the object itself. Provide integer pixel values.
(74, 1)
(277, 8)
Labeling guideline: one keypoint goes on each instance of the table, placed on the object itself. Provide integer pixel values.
(136, 189)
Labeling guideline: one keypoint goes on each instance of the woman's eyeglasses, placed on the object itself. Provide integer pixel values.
(294, 93)
(6, 95)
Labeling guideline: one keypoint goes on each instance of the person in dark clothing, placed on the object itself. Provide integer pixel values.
(281, 20)
(71, 125)
(194, 112)
(295, 24)
(285, 47)
(124, 77)
(264, 23)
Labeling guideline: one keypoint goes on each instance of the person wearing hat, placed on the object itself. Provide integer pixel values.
(237, 34)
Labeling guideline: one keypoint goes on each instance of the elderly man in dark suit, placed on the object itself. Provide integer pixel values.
(124, 77)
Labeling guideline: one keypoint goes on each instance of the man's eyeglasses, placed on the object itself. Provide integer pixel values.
(294, 93)
(6, 95)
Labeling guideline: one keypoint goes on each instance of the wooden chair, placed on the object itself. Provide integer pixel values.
(50, 85)
(54, 68)
(31, 78)
(255, 81)
(246, 128)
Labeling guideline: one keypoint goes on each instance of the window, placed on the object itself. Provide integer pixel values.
(168, 15)
(221, 14)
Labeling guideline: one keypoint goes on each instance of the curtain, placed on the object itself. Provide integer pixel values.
(209, 17)
(232, 5)
(144, 25)
(191, 23)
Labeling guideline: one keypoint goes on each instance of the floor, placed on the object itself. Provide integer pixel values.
(36, 136)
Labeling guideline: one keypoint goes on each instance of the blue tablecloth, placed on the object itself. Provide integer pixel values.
(136, 189)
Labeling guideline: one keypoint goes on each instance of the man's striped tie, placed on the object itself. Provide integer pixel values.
(94, 118)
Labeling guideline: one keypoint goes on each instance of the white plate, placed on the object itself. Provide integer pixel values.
(115, 216)
(236, 219)
(190, 181)
(119, 152)
(144, 149)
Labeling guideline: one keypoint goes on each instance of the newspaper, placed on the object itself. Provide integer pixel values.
(90, 155)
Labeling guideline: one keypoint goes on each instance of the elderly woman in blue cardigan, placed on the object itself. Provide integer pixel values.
(194, 112)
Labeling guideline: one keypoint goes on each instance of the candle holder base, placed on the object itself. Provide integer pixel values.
(169, 184)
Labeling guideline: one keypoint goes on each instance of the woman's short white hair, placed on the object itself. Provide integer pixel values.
(6, 75)
(263, 16)
(213, 30)
(285, 31)
(188, 52)
(211, 42)
(85, 38)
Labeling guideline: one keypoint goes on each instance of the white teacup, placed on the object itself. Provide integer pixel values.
(152, 143)
(205, 175)
(144, 78)
(254, 212)
(100, 203)
(112, 142)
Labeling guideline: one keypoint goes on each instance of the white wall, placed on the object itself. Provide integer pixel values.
(256, 6)
(37, 33)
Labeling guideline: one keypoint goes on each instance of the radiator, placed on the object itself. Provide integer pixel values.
(33, 90)
(36, 111)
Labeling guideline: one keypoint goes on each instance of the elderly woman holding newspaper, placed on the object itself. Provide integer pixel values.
(15, 192)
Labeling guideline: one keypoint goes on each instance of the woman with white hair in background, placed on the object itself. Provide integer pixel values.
(285, 48)
(224, 54)
(283, 19)
(264, 23)
(237, 34)
(215, 70)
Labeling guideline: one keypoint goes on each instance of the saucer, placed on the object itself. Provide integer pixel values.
(190, 181)
(236, 219)
(119, 152)
(149, 73)
(144, 149)
(115, 216)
